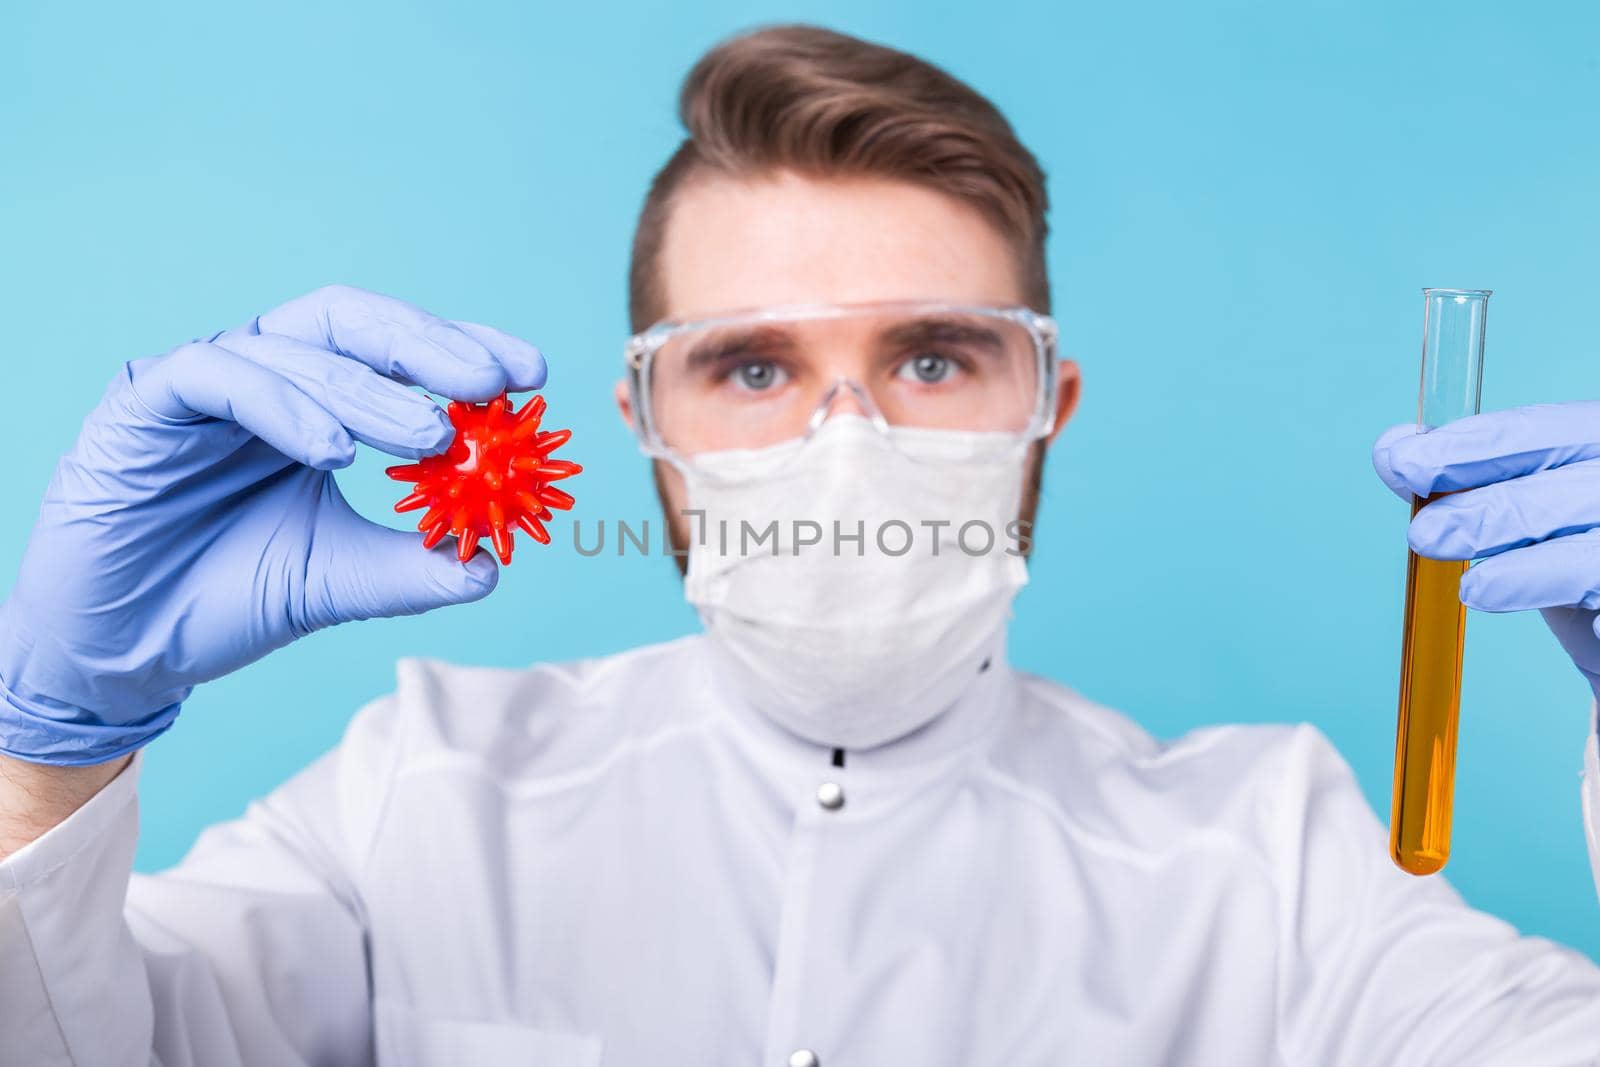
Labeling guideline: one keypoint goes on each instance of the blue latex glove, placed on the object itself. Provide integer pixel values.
(1531, 511)
(195, 525)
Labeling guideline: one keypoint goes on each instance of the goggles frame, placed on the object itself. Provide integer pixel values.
(640, 350)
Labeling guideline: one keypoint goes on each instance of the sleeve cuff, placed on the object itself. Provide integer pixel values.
(61, 842)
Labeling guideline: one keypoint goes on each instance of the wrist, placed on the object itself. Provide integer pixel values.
(35, 797)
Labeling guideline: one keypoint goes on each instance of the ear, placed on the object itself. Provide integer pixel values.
(624, 403)
(1069, 382)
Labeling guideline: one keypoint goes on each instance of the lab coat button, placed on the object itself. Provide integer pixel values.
(831, 796)
(804, 1057)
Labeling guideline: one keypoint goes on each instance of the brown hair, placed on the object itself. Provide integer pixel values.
(819, 102)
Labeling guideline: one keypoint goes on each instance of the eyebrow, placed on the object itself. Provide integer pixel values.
(944, 330)
(723, 346)
(768, 341)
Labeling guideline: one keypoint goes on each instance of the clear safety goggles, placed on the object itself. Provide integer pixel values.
(752, 379)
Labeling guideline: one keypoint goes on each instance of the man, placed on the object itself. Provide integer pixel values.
(835, 829)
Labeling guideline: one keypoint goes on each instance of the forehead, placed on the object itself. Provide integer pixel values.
(782, 238)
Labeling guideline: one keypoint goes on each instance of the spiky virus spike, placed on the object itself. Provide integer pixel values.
(555, 469)
(531, 411)
(534, 527)
(545, 443)
(555, 498)
(494, 476)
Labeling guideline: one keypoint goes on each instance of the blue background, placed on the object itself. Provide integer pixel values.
(1247, 200)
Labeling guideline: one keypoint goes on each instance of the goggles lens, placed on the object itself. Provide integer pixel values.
(749, 381)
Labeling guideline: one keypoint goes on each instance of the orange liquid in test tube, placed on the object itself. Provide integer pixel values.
(1433, 633)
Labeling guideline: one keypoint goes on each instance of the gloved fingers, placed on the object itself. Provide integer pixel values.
(525, 365)
(1380, 459)
(403, 342)
(361, 570)
(1491, 447)
(1563, 572)
(1509, 514)
(202, 379)
(1575, 629)
(375, 410)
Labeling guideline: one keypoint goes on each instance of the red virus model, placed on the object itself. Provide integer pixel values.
(496, 474)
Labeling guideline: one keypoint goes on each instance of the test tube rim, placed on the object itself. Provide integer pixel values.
(1458, 292)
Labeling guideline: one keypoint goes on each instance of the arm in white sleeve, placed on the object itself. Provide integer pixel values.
(250, 951)
(1385, 967)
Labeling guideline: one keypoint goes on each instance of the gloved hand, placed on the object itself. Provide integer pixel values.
(1531, 506)
(195, 526)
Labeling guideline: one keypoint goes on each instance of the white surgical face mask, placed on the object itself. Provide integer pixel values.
(851, 642)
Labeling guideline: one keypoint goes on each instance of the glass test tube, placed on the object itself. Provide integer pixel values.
(1435, 619)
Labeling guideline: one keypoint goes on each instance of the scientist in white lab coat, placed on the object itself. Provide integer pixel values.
(834, 829)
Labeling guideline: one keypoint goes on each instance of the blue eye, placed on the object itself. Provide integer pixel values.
(929, 368)
(757, 376)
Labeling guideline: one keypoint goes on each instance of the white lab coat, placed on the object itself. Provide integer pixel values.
(617, 862)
